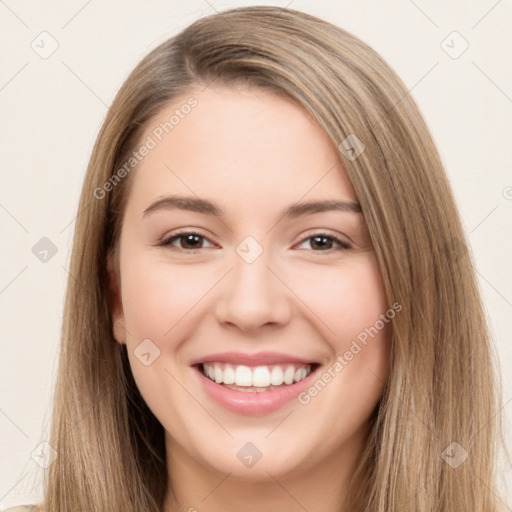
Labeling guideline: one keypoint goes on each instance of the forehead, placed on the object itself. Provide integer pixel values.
(238, 143)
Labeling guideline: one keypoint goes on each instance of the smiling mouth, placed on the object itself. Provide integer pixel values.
(256, 379)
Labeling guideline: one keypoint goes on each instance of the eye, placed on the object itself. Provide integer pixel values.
(186, 240)
(190, 240)
(324, 242)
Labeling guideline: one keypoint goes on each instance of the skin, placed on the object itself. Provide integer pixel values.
(254, 154)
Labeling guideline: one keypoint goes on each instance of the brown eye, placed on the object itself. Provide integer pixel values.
(323, 242)
(186, 240)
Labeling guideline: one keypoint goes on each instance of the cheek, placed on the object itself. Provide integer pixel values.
(353, 313)
(346, 300)
(350, 385)
(157, 296)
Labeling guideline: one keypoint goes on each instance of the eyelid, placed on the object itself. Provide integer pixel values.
(166, 240)
(318, 232)
(335, 237)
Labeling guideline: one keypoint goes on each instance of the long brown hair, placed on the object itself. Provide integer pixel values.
(441, 389)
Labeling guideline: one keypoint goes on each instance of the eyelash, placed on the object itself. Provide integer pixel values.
(331, 237)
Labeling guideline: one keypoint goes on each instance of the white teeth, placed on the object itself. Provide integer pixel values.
(299, 374)
(276, 376)
(229, 375)
(243, 376)
(218, 374)
(288, 375)
(262, 378)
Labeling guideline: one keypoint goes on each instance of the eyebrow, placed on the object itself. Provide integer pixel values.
(208, 208)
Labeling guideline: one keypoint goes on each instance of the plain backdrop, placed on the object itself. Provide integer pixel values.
(52, 106)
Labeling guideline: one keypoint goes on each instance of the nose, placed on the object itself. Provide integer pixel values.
(253, 295)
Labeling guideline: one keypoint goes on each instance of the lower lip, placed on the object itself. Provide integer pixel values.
(254, 403)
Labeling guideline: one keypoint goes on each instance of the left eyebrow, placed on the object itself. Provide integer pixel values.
(300, 209)
(209, 208)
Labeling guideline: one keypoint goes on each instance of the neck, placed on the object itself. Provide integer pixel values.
(195, 487)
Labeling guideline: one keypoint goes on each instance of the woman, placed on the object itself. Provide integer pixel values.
(271, 303)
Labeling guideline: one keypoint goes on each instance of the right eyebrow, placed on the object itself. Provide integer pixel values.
(184, 203)
(209, 208)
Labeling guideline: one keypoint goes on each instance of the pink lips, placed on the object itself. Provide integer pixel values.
(252, 403)
(257, 359)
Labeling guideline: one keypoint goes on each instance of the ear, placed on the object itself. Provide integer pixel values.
(115, 302)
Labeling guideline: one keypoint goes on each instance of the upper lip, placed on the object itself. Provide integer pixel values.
(256, 359)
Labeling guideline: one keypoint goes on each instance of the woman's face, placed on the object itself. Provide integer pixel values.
(233, 264)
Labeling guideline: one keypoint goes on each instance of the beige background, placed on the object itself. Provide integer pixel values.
(52, 108)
